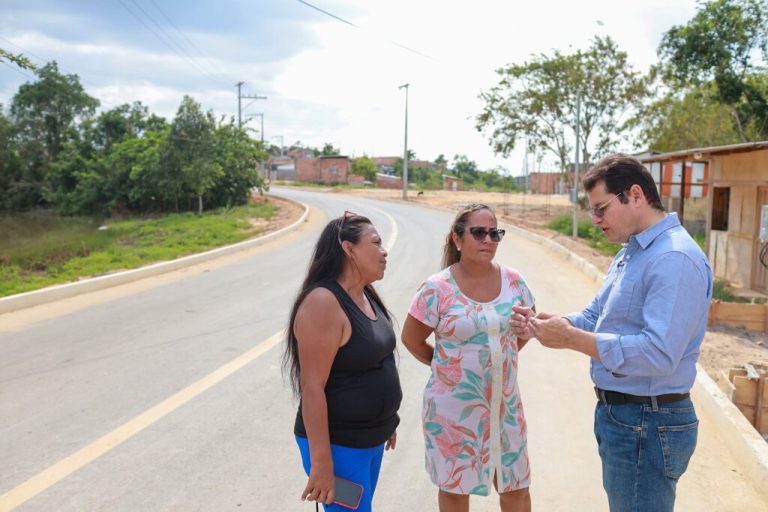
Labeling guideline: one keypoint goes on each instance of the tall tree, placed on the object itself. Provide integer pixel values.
(537, 100)
(692, 120)
(10, 165)
(465, 168)
(365, 167)
(238, 156)
(121, 123)
(722, 45)
(192, 152)
(46, 115)
(328, 150)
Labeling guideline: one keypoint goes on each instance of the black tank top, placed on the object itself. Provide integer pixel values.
(363, 389)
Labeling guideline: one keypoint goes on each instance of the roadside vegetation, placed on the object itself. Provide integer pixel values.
(586, 230)
(38, 249)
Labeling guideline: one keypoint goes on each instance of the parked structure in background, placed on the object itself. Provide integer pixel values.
(721, 191)
(452, 183)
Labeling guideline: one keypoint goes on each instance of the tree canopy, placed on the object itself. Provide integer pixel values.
(55, 151)
(725, 47)
(537, 101)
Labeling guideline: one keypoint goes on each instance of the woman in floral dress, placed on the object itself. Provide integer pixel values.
(474, 427)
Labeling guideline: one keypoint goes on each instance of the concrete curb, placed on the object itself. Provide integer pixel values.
(741, 438)
(63, 291)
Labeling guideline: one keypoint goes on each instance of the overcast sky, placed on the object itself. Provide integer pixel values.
(325, 80)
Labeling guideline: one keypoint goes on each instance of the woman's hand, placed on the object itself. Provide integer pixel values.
(391, 442)
(520, 322)
(320, 486)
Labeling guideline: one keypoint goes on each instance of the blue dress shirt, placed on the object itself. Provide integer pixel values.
(650, 315)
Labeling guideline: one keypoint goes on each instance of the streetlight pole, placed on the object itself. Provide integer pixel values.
(405, 151)
(576, 172)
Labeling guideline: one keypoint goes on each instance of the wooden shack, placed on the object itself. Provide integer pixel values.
(734, 183)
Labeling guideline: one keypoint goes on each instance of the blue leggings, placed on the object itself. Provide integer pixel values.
(360, 465)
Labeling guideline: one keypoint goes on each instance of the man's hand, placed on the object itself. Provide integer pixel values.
(551, 330)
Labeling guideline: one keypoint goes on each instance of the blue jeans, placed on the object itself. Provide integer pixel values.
(360, 465)
(644, 452)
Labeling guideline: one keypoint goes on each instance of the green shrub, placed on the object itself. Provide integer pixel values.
(722, 292)
(586, 230)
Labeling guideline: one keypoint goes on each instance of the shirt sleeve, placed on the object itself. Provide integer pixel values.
(526, 298)
(676, 300)
(586, 319)
(425, 306)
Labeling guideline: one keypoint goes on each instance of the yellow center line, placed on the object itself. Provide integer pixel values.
(53, 474)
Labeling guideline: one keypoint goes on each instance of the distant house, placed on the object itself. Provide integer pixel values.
(452, 183)
(725, 189)
(547, 183)
(326, 169)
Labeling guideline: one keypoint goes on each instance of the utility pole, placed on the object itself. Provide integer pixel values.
(261, 115)
(240, 96)
(405, 151)
(576, 172)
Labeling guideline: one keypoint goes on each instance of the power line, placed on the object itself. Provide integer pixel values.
(187, 39)
(169, 46)
(338, 18)
(162, 30)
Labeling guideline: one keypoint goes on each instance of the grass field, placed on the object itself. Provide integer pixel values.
(40, 249)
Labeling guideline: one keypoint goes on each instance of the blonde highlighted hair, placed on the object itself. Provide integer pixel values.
(451, 253)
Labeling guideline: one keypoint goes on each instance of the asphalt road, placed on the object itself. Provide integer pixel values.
(167, 395)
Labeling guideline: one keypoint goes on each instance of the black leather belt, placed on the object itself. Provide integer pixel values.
(616, 398)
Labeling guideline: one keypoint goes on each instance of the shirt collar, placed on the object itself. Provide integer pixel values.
(646, 238)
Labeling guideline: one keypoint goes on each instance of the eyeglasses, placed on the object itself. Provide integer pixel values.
(344, 216)
(479, 233)
(598, 212)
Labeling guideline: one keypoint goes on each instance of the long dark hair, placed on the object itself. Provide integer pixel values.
(451, 253)
(326, 265)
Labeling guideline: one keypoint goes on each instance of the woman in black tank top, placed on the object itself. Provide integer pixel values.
(340, 359)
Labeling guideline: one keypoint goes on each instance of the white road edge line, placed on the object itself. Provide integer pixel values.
(60, 470)
(392, 239)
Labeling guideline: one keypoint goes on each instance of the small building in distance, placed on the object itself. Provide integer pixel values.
(325, 169)
(452, 183)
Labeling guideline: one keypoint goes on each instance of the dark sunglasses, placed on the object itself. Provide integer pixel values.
(479, 233)
(344, 216)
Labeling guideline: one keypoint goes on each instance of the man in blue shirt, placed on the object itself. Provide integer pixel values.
(643, 331)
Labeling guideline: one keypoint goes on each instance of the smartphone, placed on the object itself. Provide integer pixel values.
(347, 493)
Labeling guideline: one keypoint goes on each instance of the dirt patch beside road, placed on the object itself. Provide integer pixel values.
(723, 347)
(287, 213)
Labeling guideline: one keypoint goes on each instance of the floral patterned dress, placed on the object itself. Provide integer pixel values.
(473, 416)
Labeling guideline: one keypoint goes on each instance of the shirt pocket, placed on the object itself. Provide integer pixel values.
(620, 298)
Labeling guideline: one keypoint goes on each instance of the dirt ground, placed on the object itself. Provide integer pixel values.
(723, 347)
